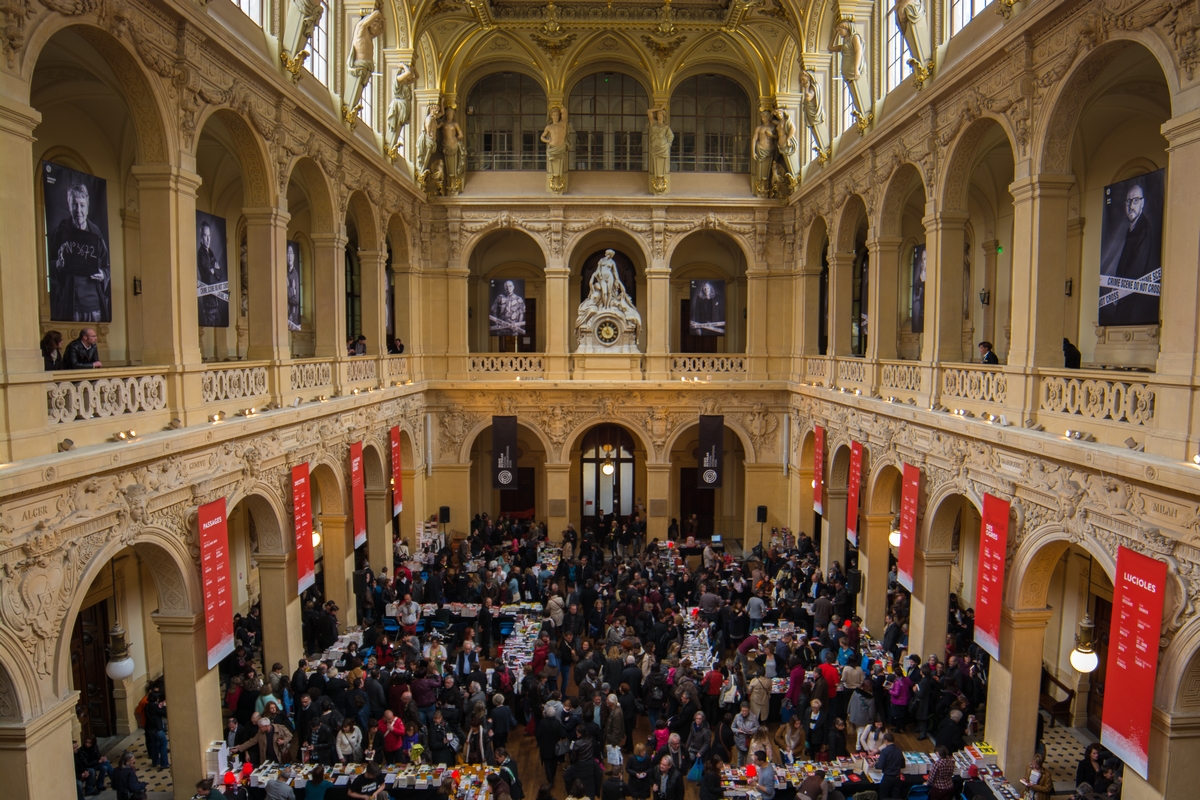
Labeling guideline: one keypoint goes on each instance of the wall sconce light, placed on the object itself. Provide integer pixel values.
(137, 286)
(321, 399)
(985, 297)
(1070, 286)
(354, 391)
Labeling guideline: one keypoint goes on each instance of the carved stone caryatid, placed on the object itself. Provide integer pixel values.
(400, 110)
(427, 165)
(848, 43)
(361, 62)
(557, 138)
(454, 153)
(765, 148)
(303, 16)
(607, 321)
(659, 162)
(783, 172)
(813, 109)
(910, 19)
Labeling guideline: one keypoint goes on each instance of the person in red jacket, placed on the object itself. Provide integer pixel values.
(392, 729)
(829, 672)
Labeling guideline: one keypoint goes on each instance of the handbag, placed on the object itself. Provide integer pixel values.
(696, 772)
(613, 754)
(786, 711)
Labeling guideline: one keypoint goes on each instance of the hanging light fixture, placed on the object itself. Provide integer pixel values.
(1083, 657)
(608, 468)
(120, 664)
(894, 536)
(316, 539)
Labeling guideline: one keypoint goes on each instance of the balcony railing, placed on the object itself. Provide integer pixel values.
(722, 366)
(95, 397)
(311, 374)
(508, 364)
(361, 369)
(983, 385)
(816, 370)
(234, 383)
(397, 368)
(902, 377)
(851, 370)
(1098, 399)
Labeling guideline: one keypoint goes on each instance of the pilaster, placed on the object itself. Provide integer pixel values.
(373, 275)
(833, 527)
(193, 695)
(379, 528)
(1014, 685)
(873, 552)
(930, 603)
(882, 290)
(656, 319)
(329, 294)
(337, 534)
(282, 634)
(945, 235)
(32, 753)
(266, 251)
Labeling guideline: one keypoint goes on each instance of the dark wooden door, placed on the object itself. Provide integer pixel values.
(97, 709)
(694, 500)
(1095, 699)
(521, 502)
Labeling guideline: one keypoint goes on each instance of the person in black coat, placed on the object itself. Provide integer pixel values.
(614, 788)
(585, 769)
(949, 734)
(125, 779)
(549, 733)
(816, 727)
(668, 782)
(710, 781)
(640, 769)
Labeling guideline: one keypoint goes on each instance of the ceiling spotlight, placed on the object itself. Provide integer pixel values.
(354, 391)
(249, 412)
(321, 399)
(858, 392)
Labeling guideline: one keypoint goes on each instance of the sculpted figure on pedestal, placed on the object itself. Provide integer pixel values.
(361, 62)
(556, 136)
(848, 43)
(454, 153)
(661, 137)
(607, 320)
(400, 110)
(766, 146)
(813, 109)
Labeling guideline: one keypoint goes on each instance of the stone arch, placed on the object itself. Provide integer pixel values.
(683, 428)
(176, 579)
(1064, 107)
(145, 103)
(839, 465)
(1037, 553)
(329, 481)
(735, 72)
(396, 231)
(848, 219)
(1178, 689)
(962, 156)
(270, 514)
(504, 225)
(814, 245)
(807, 449)
(635, 430)
(490, 64)
(10, 697)
(374, 475)
(317, 189)
(899, 188)
(886, 475)
(603, 231)
(360, 210)
(713, 229)
(249, 149)
(942, 507)
(638, 69)
(464, 451)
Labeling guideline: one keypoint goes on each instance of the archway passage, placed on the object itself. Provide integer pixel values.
(701, 512)
(608, 476)
(528, 500)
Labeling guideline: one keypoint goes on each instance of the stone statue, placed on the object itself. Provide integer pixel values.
(607, 321)
(783, 179)
(302, 18)
(765, 148)
(814, 112)
(454, 153)
(661, 136)
(910, 19)
(848, 43)
(427, 144)
(556, 136)
(400, 110)
(361, 62)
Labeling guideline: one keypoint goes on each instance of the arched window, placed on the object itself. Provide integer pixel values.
(253, 9)
(897, 55)
(710, 115)
(506, 114)
(607, 111)
(318, 63)
(963, 11)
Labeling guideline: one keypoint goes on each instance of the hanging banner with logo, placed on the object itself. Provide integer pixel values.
(214, 568)
(852, 492)
(1137, 611)
(504, 453)
(993, 544)
(819, 469)
(910, 498)
(711, 451)
(358, 495)
(302, 526)
(397, 483)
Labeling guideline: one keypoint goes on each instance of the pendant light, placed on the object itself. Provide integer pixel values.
(1083, 657)
(608, 468)
(120, 664)
(894, 536)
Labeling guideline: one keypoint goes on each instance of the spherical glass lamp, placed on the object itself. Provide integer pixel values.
(1083, 657)
(894, 538)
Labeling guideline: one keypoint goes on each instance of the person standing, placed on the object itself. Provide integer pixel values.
(156, 727)
(891, 763)
(986, 355)
(81, 353)
(1038, 780)
(940, 778)
(669, 783)
(766, 775)
(125, 779)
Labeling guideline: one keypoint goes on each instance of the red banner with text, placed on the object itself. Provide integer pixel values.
(1133, 657)
(852, 493)
(358, 495)
(819, 470)
(214, 567)
(397, 482)
(993, 544)
(910, 499)
(302, 520)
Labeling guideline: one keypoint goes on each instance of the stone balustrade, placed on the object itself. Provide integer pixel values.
(506, 363)
(397, 368)
(67, 401)
(816, 370)
(233, 383)
(709, 365)
(311, 374)
(1098, 398)
(904, 377)
(361, 369)
(981, 385)
(851, 370)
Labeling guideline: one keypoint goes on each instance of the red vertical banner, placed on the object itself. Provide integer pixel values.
(852, 493)
(1137, 611)
(993, 544)
(819, 469)
(358, 495)
(214, 567)
(910, 499)
(302, 525)
(397, 483)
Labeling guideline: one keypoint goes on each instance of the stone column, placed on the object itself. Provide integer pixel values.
(656, 319)
(32, 753)
(456, 319)
(559, 320)
(558, 493)
(833, 527)
(283, 640)
(757, 319)
(379, 529)
(882, 301)
(873, 561)
(1014, 684)
(193, 696)
(1039, 271)
(805, 511)
(1174, 758)
(930, 604)
(337, 559)
(988, 332)
(266, 259)
(167, 199)
(945, 234)
(329, 295)
(373, 275)
(24, 400)
(807, 303)
(841, 303)
(658, 488)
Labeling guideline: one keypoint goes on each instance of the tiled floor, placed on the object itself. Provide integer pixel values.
(158, 781)
(1064, 750)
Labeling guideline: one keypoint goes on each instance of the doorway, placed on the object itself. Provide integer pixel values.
(96, 707)
(1102, 614)
(607, 477)
(521, 502)
(694, 500)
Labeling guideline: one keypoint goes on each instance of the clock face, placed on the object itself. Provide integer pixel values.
(607, 332)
